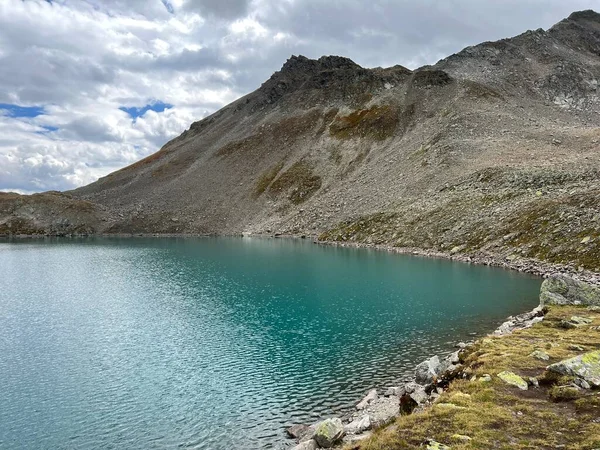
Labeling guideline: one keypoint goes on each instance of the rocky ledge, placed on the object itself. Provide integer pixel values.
(427, 393)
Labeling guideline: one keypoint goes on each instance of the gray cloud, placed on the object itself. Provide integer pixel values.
(82, 60)
(230, 9)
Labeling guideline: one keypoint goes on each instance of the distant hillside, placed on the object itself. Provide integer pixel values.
(491, 151)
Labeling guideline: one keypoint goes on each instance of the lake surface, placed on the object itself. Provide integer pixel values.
(218, 343)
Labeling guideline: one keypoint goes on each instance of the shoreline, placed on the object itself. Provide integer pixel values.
(435, 377)
(524, 265)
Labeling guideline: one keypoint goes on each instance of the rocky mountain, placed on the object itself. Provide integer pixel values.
(493, 151)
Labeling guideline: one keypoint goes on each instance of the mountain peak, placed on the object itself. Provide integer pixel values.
(588, 14)
(302, 64)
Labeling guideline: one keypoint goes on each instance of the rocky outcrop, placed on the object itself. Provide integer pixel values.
(585, 367)
(564, 290)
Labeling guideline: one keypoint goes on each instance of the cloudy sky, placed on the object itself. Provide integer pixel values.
(89, 86)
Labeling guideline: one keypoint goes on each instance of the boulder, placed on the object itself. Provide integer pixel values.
(307, 445)
(513, 379)
(585, 367)
(428, 371)
(359, 425)
(301, 432)
(383, 410)
(329, 432)
(369, 398)
(414, 395)
(564, 290)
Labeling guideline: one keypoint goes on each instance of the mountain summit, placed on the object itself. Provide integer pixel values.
(493, 151)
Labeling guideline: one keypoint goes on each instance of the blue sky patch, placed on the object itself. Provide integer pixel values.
(47, 129)
(22, 111)
(136, 112)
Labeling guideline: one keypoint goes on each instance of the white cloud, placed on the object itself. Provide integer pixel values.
(83, 60)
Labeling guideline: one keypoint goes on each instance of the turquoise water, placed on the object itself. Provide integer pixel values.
(219, 343)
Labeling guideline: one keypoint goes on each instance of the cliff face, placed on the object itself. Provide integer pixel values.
(494, 150)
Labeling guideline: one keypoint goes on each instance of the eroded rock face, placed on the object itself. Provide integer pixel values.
(585, 367)
(564, 290)
(329, 432)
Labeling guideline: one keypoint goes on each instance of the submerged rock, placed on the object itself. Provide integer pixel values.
(563, 290)
(586, 367)
(329, 432)
(513, 379)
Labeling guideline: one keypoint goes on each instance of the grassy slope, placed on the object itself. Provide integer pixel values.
(496, 415)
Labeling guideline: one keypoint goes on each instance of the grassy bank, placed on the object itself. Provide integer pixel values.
(475, 414)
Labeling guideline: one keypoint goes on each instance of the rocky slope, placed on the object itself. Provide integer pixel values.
(493, 151)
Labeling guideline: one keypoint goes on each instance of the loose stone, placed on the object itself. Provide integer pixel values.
(513, 379)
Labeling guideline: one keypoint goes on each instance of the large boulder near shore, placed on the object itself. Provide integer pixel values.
(329, 432)
(585, 367)
(428, 371)
(564, 290)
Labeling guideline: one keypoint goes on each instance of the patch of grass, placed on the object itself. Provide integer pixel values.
(496, 415)
(377, 122)
(298, 181)
(266, 178)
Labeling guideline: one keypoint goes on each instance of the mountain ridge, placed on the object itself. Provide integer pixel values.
(491, 151)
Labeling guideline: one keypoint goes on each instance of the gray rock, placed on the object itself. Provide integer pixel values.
(577, 320)
(428, 371)
(307, 445)
(395, 390)
(370, 397)
(585, 367)
(576, 347)
(301, 432)
(564, 290)
(359, 425)
(539, 354)
(382, 410)
(329, 432)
